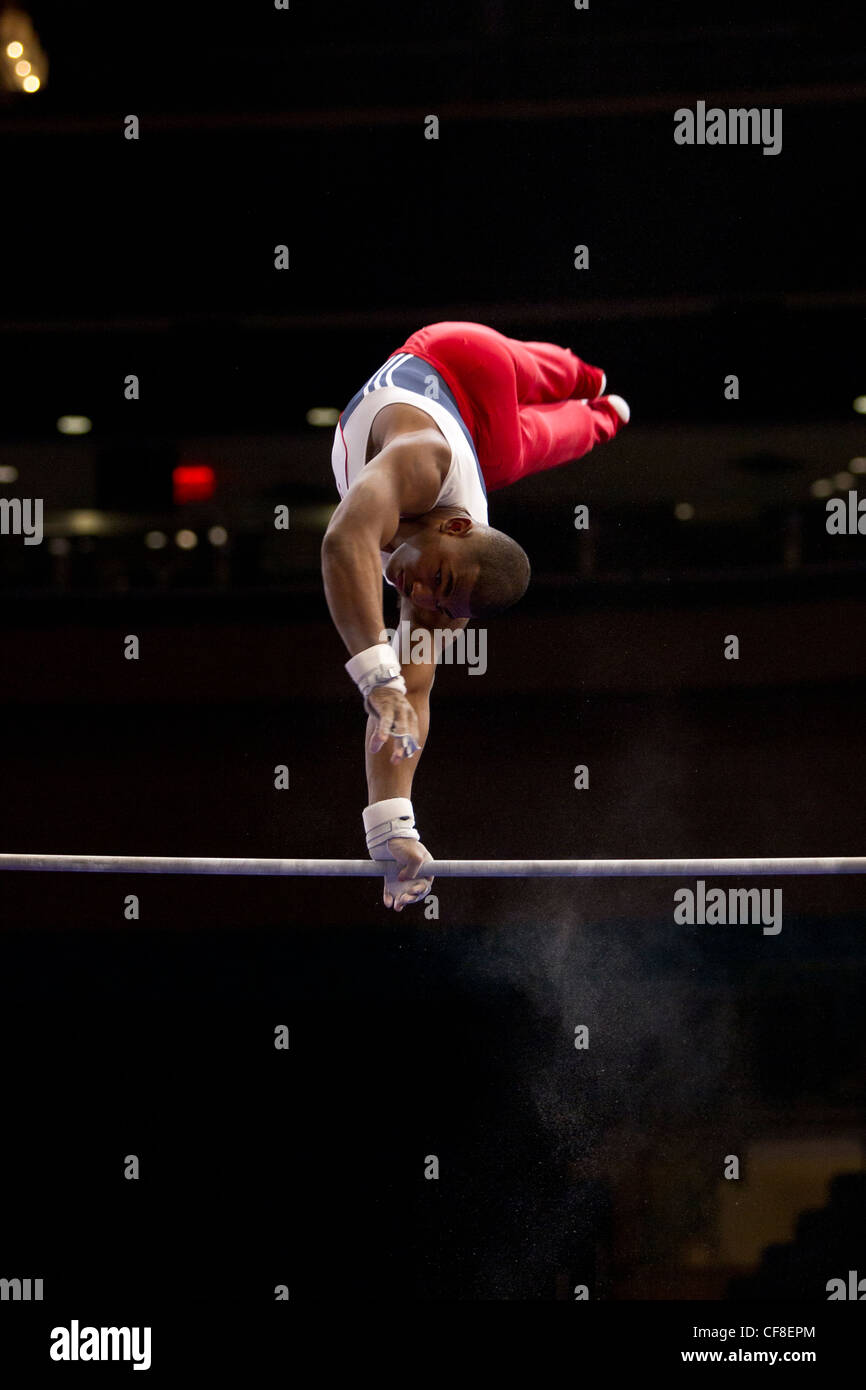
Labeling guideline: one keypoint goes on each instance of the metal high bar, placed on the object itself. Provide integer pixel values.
(446, 868)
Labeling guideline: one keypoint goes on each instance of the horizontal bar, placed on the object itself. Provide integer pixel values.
(446, 868)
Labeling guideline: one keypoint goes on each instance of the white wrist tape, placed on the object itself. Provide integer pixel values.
(379, 665)
(391, 819)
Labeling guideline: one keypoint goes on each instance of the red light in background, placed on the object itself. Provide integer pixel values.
(193, 482)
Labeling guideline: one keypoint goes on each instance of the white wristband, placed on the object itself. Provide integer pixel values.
(392, 819)
(379, 665)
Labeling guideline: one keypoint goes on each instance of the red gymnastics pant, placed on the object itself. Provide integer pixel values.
(520, 401)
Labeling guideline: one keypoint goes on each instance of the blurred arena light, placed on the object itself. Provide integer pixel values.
(186, 540)
(23, 64)
(8, 474)
(323, 415)
(84, 522)
(74, 424)
(193, 482)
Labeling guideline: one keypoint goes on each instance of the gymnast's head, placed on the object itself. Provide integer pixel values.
(459, 567)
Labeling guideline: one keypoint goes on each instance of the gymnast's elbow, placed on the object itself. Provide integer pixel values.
(339, 547)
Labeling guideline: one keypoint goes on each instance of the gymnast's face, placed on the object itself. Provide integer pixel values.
(435, 568)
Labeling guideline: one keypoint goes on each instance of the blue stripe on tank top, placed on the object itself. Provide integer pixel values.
(414, 374)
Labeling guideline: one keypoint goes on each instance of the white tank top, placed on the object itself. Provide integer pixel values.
(408, 380)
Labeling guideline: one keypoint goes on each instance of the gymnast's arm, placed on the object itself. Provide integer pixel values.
(386, 778)
(405, 478)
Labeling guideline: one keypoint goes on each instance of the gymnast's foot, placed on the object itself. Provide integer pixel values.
(615, 408)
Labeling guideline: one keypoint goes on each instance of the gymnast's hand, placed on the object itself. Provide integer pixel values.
(395, 719)
(404, 883)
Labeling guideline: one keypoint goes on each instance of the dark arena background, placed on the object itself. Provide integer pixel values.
(230, 1099)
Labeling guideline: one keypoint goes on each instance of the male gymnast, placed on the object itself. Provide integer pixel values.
(458, 410)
